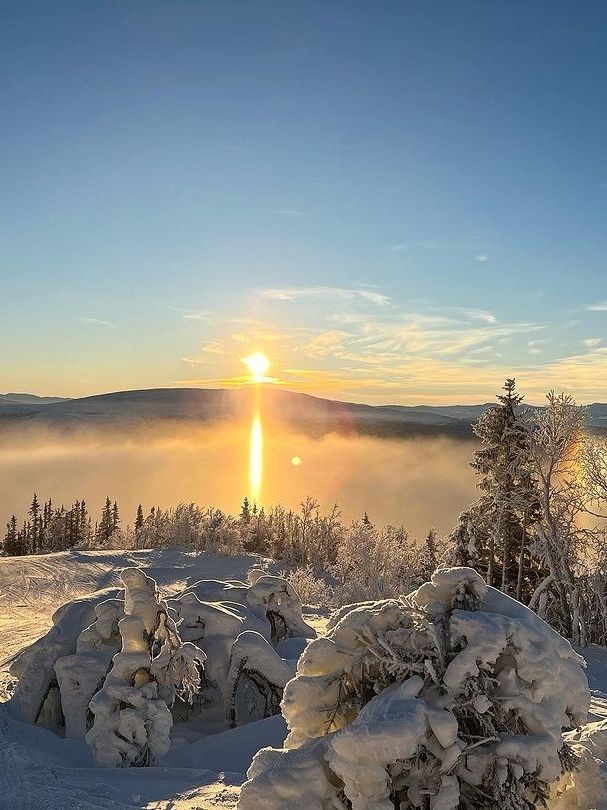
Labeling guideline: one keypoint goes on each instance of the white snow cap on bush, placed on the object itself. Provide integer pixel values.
(455, 695)
(132, 719)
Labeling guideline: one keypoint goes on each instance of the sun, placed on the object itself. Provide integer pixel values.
(258, 364)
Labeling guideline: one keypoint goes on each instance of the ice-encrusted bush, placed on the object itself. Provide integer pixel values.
(312, 589)
(119, 667)
(132, 718)
(454, 696)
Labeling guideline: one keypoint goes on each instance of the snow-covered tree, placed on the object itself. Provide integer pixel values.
(556, 441)
(453, 697)
(11, 545)
(132, 718)
(493, 535)
(371, 563)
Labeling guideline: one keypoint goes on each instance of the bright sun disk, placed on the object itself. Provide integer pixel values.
(258, 364)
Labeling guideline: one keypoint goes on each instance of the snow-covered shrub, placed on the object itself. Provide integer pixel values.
(132, 718)
(67, 679)
(454, 696)
(132, 723)
(34, 667)
(312, 589)
(373, 564)
(587, 787)
(187, 524)
(80, 675)
(256, 679)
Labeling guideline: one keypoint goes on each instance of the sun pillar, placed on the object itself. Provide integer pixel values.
(256, 450)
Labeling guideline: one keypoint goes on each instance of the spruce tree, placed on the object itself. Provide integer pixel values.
(115, 517)
(428, 556)
(105, 527)
(36, 525)
(245, 511)
(139, 520)
(12, 545)
(493, 534)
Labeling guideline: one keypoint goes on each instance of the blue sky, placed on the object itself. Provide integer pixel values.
(396, 201)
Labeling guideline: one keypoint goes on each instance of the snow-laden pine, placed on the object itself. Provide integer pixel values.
(454, 696)
(132, 717)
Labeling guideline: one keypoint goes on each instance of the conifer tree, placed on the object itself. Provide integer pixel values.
(245, 511)
(106, 524)
(428, 557)
(35, 531)
(12, 544)
(139, 520)
(494, 533)
(115, 517)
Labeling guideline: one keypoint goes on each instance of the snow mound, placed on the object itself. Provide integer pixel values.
(120, 668)
(454, 696)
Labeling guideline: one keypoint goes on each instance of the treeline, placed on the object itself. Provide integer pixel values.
(48, 528)
(328, 560)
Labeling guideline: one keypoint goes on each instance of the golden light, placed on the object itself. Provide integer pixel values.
(296, 461)
(258, 364)
(256, 458)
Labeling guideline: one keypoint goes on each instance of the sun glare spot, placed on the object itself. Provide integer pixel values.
(258, 364)
(296, 461)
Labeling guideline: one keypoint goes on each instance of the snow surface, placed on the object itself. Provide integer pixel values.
(38, 769)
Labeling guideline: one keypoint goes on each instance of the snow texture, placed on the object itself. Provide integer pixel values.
(119, 671)
(206, 762)
(132, 719)
(256, 679)
(455, 693)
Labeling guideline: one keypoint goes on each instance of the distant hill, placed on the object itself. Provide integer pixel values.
(18, 405)
(28, 399)
(312, 415)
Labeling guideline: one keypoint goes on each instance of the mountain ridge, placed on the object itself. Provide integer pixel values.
(211, 405)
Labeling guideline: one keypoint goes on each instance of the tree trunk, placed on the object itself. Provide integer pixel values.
(490, 561)
(521, 558)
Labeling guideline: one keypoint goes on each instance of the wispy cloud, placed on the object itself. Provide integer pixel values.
(482, 258)
(358, 343)
(195, 316)
(97, 322)
(475, 314)
(288, 212)
(420, 244)
(321, 291)
(600, 306)
(213, 347)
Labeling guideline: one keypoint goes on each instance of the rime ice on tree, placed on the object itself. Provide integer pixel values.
(456, 695)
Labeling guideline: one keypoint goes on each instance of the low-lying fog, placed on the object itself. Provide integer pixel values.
(420, 482)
